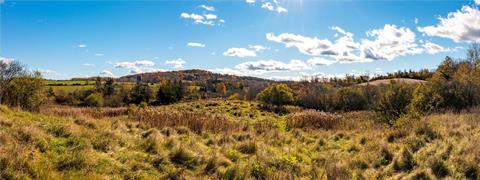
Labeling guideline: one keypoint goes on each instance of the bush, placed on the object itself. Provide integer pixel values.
(277, 94)
(425, 100)
(350, 99)
(169, 93)
(27, 92)
(312, 119)
(94, 100)
(394, 103)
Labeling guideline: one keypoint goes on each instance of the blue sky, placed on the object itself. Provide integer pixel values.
(284, 39)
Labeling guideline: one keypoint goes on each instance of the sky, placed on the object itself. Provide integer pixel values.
(273, 39)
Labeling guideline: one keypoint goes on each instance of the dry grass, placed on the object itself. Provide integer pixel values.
(165, 144)
(313, 119)
(197, 122)
(74, 112)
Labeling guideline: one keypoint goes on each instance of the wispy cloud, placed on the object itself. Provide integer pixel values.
(195, 44)
(208, 8)
(240, 52)
(177, 63)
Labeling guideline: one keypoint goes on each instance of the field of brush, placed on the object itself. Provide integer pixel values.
(222, 139)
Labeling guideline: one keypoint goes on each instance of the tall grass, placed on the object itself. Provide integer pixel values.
(195, 121)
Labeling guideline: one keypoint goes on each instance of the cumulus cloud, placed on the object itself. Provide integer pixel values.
(477, 2)
(250, 1)
(194, 44)
(177, 63)
(240, 52)
(272, 65)
(106, 73)
(82, 46)
(462, 25)
(389, 42)
(208, 8)
(206, 19)
(384, 43)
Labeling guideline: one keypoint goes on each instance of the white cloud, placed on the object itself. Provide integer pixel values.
(208, 8)
(432, 48)
(272, 65)
(240, 52)
(274, 6)
(389, 42)
(462, 25)
(99, 54)
(210, 16)
(250, 1)
(477, 2)
(82, 46)
(386, 43)
(342, 49)
(134, 64)
(177, 63)
(316, 61)
(206, 19)
(194, 44)
(415, 20)
(88, 64)
(6, 60)
(258, 48)
(106, 73)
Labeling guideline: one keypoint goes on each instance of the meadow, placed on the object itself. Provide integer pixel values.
(233, 139)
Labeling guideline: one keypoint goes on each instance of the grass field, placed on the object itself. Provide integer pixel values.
(131, 143)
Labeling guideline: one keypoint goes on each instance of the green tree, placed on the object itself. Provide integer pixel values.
(276, 94)
(141, 93)
(169, 92)
(27, 92)
(394, 103)
(350, 99)
(109, 87)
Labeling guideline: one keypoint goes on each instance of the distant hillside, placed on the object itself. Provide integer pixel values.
(193, 75)
(388, 81)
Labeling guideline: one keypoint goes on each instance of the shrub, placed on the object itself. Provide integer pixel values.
(277, 94)
(94, 100)
(425, 100)
(312, 119)
(394, 102)
(350, 99)
(27, 92)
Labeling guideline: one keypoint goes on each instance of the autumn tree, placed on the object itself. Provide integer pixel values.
(276, 94)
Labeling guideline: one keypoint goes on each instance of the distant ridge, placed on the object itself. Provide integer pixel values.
(193, 75)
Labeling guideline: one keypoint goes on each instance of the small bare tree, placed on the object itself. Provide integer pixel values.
(9, 70)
